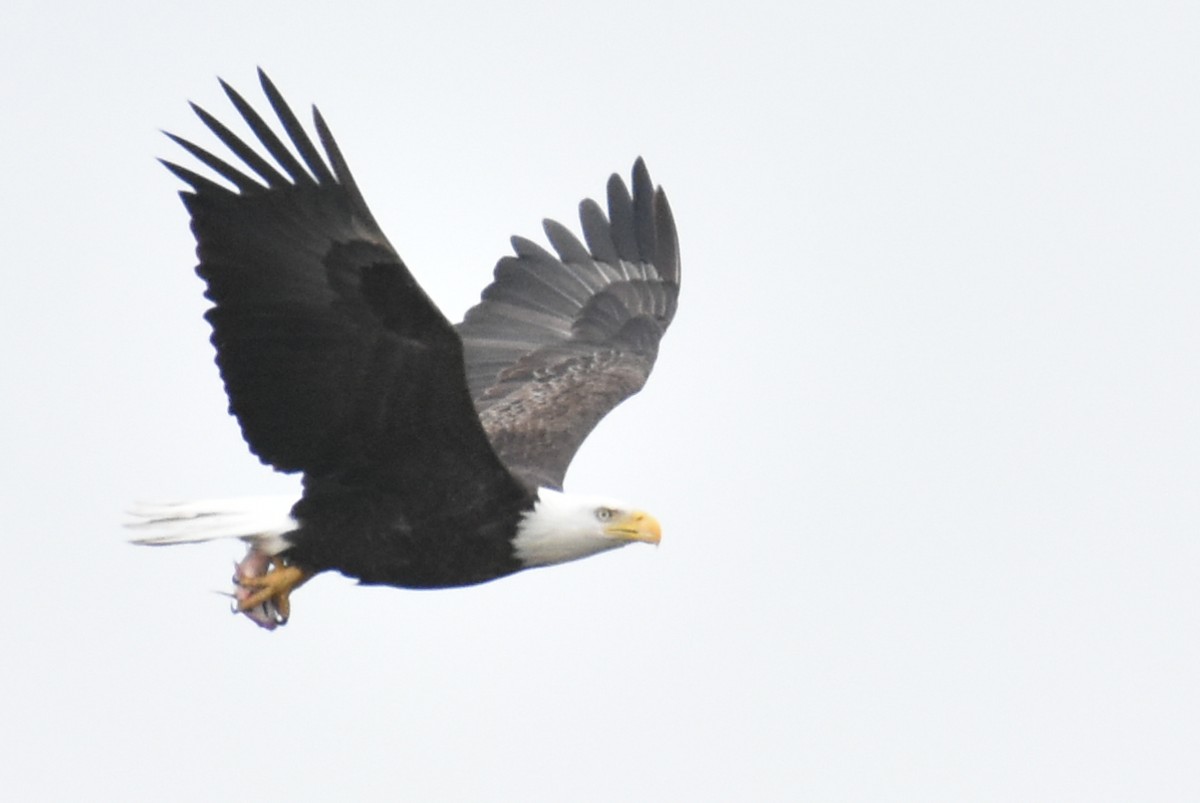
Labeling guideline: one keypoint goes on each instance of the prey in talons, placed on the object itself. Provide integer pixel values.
(263, 585)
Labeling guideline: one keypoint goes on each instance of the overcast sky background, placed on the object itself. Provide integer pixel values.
(923, 438)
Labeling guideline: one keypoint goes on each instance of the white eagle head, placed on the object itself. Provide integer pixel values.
(563, 527)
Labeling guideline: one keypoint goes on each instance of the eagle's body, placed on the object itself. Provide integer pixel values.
(432, 454)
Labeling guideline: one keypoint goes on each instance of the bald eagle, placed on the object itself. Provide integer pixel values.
(432, 453)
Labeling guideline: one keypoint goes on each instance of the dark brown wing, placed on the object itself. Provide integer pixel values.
(335, 361)
(559, 341)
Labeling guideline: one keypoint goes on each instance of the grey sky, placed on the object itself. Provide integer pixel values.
(923, 437)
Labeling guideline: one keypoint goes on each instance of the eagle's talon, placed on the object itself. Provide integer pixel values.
(271, 592)
(262, 584)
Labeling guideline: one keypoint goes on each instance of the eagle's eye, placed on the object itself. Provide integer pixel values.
(604, 513)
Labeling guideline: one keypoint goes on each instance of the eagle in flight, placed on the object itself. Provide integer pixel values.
(432, 453)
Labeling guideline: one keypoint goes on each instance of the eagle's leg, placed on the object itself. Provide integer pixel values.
(264, 596)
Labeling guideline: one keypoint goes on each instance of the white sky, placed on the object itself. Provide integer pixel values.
(924, 436)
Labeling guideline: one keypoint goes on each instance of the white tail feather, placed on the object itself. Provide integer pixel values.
(262, 520)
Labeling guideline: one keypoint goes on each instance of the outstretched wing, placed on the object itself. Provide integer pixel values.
(335, 361)
(559, 341)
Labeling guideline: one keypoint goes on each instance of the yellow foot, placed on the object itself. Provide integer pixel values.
(265, 598)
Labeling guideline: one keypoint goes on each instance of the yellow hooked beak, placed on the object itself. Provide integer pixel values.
(635, 526)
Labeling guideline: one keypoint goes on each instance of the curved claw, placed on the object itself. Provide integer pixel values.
(265, 615)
